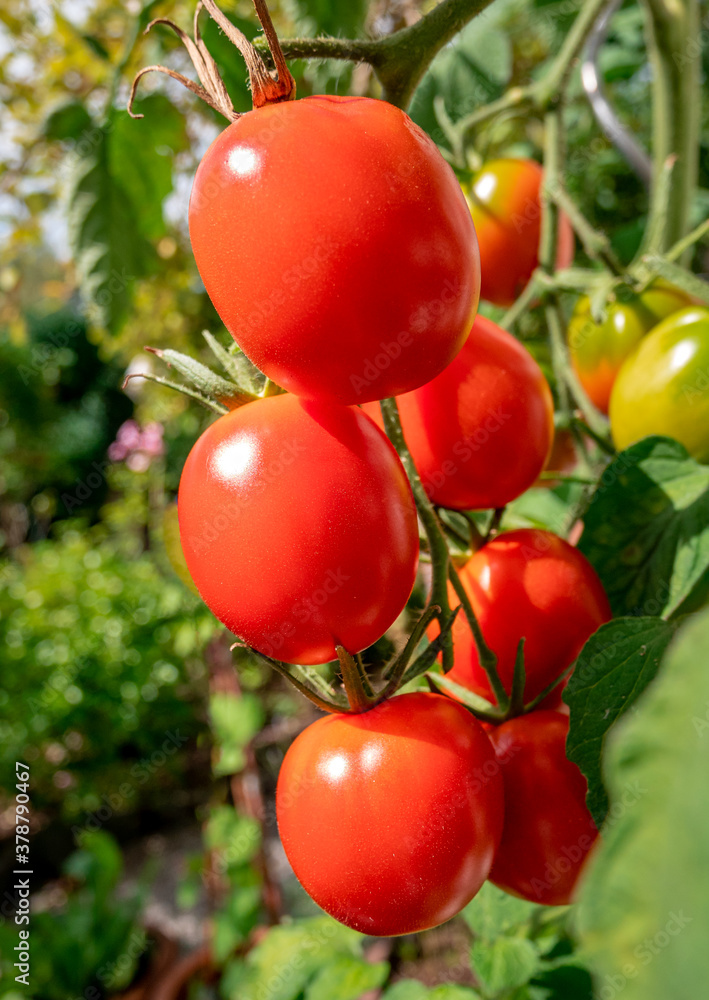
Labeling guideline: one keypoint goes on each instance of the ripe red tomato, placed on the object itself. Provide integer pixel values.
(504, 201)
(299, 527)
(599, 349)
(527, 583)
(480, 432)
(336, 246)
(390, 819)
(548, 830)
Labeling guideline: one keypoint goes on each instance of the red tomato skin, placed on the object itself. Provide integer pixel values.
(506, 209)
(391, 819)
(527, 583)
(481, 431)
(548, 829)
(299, 527)
(367, 276)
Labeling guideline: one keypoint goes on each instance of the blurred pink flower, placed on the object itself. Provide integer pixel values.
(137, 447)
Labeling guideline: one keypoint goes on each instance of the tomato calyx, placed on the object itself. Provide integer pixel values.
(243, 384)
(357, 694)
(265, 87)
(509, 706)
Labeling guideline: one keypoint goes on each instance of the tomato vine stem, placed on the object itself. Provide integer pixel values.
(437, 544)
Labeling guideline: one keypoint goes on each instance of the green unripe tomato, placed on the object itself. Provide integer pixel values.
(599, 349)
(663, 387)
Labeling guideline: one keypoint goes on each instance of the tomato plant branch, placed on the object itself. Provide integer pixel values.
(690, 283)
(595, 243)
(568, 385)
(544, 92)
(399, 60)
(437, 544)
(519, 677)
(697, 234)
(672, 30)
(536, 702)
(487, 658)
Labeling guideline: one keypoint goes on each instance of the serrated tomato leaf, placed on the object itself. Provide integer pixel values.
(613, 669)
(647, 529)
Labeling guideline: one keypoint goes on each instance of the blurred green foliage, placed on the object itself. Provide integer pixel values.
(104, 686)
(89, 943)
(102, 672)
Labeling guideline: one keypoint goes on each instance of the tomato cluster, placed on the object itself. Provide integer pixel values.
(298, 521)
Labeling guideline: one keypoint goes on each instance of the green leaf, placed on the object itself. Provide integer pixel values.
(505, 963)
(647, 529)
(450, 991)
(542, 508)
(110, 250)
(644, 908)
(407, 989)
(346, 978)
(141, 158)
(288, 957)
(613, 669)
(236, 838)
(235, 721)
(413, 989)
(330, 17)
(469, 72)
(493, 913)
(67, 122)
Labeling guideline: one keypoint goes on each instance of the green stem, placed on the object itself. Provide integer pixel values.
(516, 706)
(595, 243)
(437, 545)
(675, 252)
(487, 658)
(531, 292)
(554, 82)
(673, 31)
(679, 276)
(400, 59)
(355, 688)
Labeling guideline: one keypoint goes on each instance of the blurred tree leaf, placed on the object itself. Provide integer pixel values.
(330, 17)
(121, 176)
(110, 249)
(647, 528)
(140, 158)
(644, 909)
(235, 721)
(613, 669)
(67, 122)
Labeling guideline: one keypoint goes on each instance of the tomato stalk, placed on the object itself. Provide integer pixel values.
(437, 544)
(488, 659)
(673, 30)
